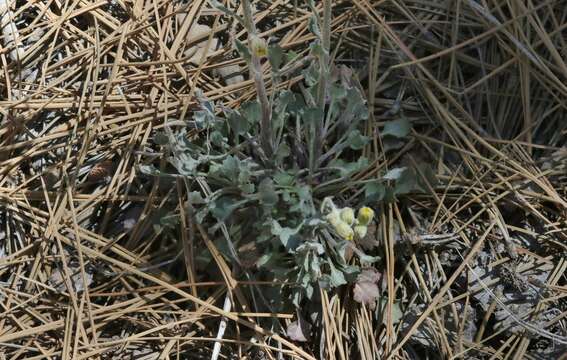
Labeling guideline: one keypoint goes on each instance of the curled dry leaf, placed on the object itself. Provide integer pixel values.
(369, 274)
(369, 241)
(366, 292)
(366, 289)
(57, 280)
(203, 49)
(249, 255)
(131, 218)
(200, 51)
(10, 34)
(299, 330)
(231, 74)
(51, 177)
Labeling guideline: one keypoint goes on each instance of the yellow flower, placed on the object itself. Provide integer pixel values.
(360, 231)
(365, 215)
(258, 46)
(344, 230)
(339, 220)
(347, 215)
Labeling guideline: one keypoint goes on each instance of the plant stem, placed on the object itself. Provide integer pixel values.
(324, 66)
(266, 141)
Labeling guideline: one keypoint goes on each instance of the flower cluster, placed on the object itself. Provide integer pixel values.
(344, 222)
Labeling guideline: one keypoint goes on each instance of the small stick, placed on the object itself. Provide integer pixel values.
(222, 327)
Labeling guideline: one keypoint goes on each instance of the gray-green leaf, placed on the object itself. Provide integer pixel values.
(356, 140)
(394, 174)
(337, 277)
(276, 56)
(252, 112)
(237, 123)
(267, 192)
(397, 128)
(161, 138)
(348, 168)
(243, 50)
(224, 206)
(284, 233)
(374, 191)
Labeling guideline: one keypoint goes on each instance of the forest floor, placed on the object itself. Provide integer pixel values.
(176, 179)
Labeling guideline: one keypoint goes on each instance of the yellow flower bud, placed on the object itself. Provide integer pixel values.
(365, 215)
(360, 231)
(347, 215)
(334, 217)
(258, 46)
(344, 230)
